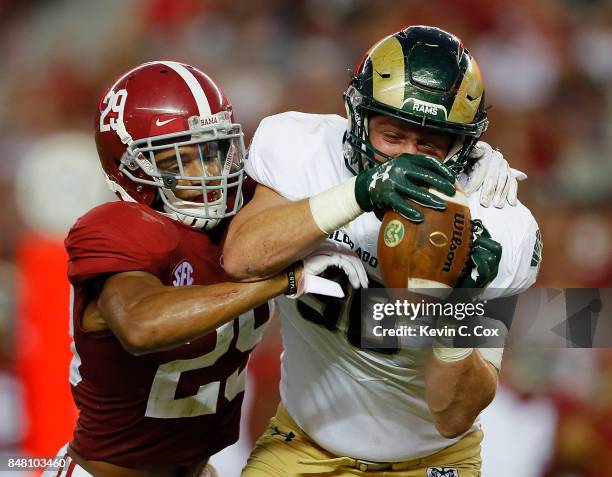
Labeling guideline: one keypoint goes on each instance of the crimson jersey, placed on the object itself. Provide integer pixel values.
(173, 407)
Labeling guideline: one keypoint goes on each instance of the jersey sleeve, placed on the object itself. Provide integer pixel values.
(284, 154)
(517, 231)
(255, 165)
(264, 163)
(118, 237)
(518, 268)
(527, 257)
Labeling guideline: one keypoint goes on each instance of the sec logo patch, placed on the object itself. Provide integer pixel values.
(442, 472)
(183, 274)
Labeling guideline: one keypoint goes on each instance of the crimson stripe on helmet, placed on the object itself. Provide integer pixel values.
(194, 86)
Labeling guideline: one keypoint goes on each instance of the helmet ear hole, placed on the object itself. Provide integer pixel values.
(170, 182)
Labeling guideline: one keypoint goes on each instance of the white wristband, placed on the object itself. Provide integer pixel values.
(452, 354)
(335, 207)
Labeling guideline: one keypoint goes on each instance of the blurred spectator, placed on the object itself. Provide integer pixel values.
(584, 431)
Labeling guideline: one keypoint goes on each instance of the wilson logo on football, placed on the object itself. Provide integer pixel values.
(458, 226)
(183, 274)
(438, 239)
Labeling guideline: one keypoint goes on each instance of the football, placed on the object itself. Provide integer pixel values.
(431, 254)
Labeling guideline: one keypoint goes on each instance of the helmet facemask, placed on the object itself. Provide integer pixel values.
(197, 172)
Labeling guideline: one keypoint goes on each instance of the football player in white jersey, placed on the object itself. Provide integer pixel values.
(415, 113)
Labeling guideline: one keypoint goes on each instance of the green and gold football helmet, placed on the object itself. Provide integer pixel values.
(421, 75)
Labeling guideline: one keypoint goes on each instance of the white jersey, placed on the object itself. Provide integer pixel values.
(353, 402)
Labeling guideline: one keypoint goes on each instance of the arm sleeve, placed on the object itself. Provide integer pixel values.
(118, 237)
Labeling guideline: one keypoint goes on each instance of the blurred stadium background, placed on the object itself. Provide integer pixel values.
(547, 66)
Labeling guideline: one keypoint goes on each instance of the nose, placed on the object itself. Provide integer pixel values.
(408, 146)
(193, 168)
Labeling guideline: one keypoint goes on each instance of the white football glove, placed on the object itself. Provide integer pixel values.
(330, 255)
(491, 171)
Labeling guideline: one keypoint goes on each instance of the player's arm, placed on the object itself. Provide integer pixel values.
(147, 316)
(459, 382)
(458, 390)
(271, 232)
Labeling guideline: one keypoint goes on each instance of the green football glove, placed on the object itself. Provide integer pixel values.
(387, 185)
(484, 258)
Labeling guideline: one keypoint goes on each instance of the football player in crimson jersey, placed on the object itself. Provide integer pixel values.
(161, 338)
(416, 112)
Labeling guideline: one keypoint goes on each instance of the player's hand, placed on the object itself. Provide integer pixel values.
(387, 185)
(491, 171)
(484, 259)
(330, 255)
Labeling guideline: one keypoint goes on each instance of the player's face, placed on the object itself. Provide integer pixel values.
(393, 137)
(198, 161)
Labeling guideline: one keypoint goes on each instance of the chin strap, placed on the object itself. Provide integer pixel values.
(452, 158)
(455, 148)
(195, 222)
(117, 189)
(187, 212)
